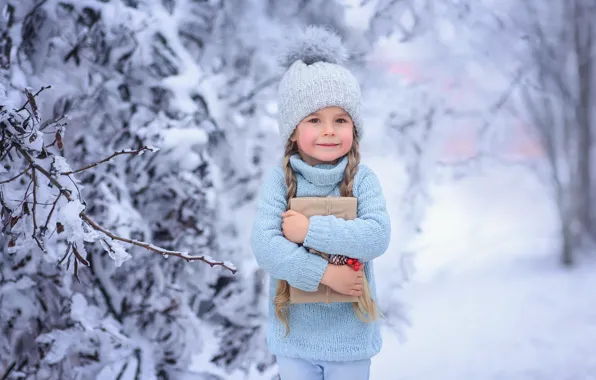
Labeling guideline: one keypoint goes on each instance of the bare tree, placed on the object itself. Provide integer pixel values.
(548, 52)
(557, 98)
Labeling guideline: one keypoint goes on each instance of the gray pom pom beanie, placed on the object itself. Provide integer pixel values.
(315, 79)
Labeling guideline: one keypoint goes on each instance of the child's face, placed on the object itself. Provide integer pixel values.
(324, 136)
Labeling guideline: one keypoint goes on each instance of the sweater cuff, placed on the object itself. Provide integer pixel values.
(317, 236)
(310, 273)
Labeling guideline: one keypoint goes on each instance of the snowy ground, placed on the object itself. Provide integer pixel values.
(514, 321)
(490, 300)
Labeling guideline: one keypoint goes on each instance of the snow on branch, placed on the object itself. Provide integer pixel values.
(51, 196)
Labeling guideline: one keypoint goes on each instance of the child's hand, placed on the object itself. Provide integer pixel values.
(294, 226)
(343, 279)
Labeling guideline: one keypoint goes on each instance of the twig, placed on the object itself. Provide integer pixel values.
(122, 371)
(103, 290)
(24, 202)
(76, 269)
(96, 226)
(79, 257)
(151, 247)
(138, 356)
(52, 210)
(9, 370)
(66, 254)
(261, 86)
(34, 177)
(37, 93)
(125, 151)
(16, 176)
(34, 209)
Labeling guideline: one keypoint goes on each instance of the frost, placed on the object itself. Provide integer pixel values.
(61, 165)
(69, 215)
(116, 251)
(230, 265)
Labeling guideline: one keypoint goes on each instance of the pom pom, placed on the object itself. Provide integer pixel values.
(313, 44)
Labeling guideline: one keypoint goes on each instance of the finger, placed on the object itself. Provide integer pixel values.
(290, 213)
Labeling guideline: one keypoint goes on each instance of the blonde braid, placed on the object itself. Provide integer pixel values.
(282, 296)
(345, 188)
(365, 308)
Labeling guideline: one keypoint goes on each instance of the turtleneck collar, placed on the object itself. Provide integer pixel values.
(320, 175)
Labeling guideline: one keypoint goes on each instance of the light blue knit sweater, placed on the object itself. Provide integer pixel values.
(320, 331)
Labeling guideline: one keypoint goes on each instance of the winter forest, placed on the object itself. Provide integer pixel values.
(135, 137)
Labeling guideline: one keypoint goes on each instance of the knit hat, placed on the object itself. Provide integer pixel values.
(315, 79)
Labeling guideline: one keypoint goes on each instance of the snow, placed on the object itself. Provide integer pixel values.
(490, 299)
(116, 251)
(517, 320)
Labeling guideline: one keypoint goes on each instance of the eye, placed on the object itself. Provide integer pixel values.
(341, 120)
(314, 120)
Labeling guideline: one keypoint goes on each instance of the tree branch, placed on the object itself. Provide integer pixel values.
(9, 370)
(125, 151)
(148, 246)
(52, 210)
(16, 176)
(261, 86)
(34, 209)
(29, 97)
(161, 251)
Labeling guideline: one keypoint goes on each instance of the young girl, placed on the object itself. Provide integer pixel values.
(320, 123)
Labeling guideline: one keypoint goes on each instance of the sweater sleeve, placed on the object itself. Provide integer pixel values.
(277, 255)
(363, 238)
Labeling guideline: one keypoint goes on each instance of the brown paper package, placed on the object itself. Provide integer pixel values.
(341, 207)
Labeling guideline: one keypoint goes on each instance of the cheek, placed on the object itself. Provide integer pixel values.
(307, 136)
(347, 137)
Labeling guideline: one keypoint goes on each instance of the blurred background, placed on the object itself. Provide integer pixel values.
(479, 120)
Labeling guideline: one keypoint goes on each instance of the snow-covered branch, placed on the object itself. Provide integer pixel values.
(22, 135)
(136, 152)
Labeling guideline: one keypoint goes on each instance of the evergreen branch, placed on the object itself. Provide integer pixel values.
(124, 151)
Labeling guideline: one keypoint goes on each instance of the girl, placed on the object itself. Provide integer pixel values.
(320, 123)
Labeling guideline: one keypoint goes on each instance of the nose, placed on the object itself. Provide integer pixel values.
(328, 129)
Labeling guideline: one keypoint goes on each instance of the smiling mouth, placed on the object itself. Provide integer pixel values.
(328, 145)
